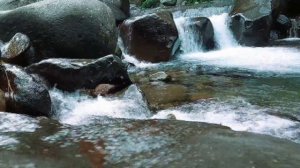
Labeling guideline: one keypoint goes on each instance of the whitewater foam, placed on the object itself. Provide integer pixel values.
(237, 114)
(75, 109)
(278, 60)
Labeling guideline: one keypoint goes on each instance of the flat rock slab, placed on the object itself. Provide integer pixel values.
(151, 143)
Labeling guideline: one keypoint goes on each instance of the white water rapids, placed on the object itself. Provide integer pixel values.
(236, 113)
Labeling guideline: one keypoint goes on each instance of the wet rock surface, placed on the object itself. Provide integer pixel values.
(252, 21)
(77, 28)
(151, 38)
(157, 143)
(204, 30)
(24, 93)
(18, 50)
(72, 74)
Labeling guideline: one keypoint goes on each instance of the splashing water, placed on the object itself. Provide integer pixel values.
(238, 114)
(223, 35)
(75, 109)
(189, 41)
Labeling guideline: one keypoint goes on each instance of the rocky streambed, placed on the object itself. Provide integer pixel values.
(93, 84)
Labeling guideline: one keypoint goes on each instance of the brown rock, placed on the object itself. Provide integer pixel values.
(106, 89)
(151, 38)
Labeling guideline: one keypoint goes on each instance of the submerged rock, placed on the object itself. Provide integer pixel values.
(160, 76)
(151, 38)
(162, 96)
(252, 21)
(73, 74)
(204, 32)
(63, 29)
(24, 93)
(18, 50)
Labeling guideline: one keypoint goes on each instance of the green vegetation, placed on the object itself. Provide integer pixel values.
(150, 3)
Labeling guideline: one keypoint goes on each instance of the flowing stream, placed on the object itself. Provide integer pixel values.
(254, 89)
(242, 108)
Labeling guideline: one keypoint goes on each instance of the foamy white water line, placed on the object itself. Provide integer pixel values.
(278, 60)
(237, 114)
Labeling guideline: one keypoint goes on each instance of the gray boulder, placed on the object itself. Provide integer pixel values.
(73, 74)
(252, 20)
(64, 29)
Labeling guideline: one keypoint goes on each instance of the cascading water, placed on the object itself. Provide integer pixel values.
(293, 32)
(223, 35)
(189, 41)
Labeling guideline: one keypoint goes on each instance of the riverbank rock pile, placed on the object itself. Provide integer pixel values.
(67, 44)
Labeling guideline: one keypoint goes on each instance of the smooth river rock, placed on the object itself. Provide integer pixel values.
(63, 29)
(73, 74)
(18, 50)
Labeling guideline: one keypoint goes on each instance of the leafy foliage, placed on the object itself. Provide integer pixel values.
(150, 3)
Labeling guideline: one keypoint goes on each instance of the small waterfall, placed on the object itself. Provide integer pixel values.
(189, 41)
(223, 35)
(293, 32)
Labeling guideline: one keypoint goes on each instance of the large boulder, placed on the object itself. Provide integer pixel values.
(120, 8)
(151, 38)
(23, 92)
(64, 29)
(204, 32)
(72, 74)
(252, 21)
